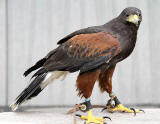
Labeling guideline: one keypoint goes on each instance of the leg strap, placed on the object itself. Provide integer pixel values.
(117, 102)
(85, 106)
(114, 98)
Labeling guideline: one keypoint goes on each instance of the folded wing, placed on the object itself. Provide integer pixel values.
(83, 52)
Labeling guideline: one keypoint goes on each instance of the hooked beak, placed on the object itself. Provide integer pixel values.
(133, 19)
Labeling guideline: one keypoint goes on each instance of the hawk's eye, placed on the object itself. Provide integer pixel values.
(139, 14)
(127, 15)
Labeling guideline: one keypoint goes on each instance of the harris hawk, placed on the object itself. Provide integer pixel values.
(94, 52)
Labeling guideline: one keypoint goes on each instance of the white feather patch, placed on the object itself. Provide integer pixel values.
(52, 76)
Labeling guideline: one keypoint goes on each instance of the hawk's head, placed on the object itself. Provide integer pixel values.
(131, 15)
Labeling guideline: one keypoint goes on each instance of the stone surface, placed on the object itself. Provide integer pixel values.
(59, 116)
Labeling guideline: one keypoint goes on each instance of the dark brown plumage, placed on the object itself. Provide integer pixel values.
(84, 52)
(94, 51)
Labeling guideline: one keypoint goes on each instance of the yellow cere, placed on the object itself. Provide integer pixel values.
(133, 18)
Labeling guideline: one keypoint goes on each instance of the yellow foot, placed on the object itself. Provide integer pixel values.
(114, 105)
(91, 119)
(122, 108)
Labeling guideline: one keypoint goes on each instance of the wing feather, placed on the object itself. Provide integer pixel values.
(84, 52)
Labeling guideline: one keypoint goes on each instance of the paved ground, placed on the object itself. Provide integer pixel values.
(59, 116)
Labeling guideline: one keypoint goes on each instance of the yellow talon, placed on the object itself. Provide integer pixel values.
(91, 119)
(122, 108)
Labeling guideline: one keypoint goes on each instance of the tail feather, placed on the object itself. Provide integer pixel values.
(36, 66)
(36, 86)
(27, 92)
(39, 72)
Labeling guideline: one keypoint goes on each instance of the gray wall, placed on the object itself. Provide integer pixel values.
(31, 28)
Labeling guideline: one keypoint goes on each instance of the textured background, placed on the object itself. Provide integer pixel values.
(29, 29)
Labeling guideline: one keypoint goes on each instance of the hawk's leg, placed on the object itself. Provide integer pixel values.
(114, 105)
(105, 83)
(85, 84)
(87, 107)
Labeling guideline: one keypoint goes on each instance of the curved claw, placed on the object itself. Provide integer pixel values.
(141, 110)
(106, 117)
(103, 109)
(133, 111)
(78, 115)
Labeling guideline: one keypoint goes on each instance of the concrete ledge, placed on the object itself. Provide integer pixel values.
(59, 116)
